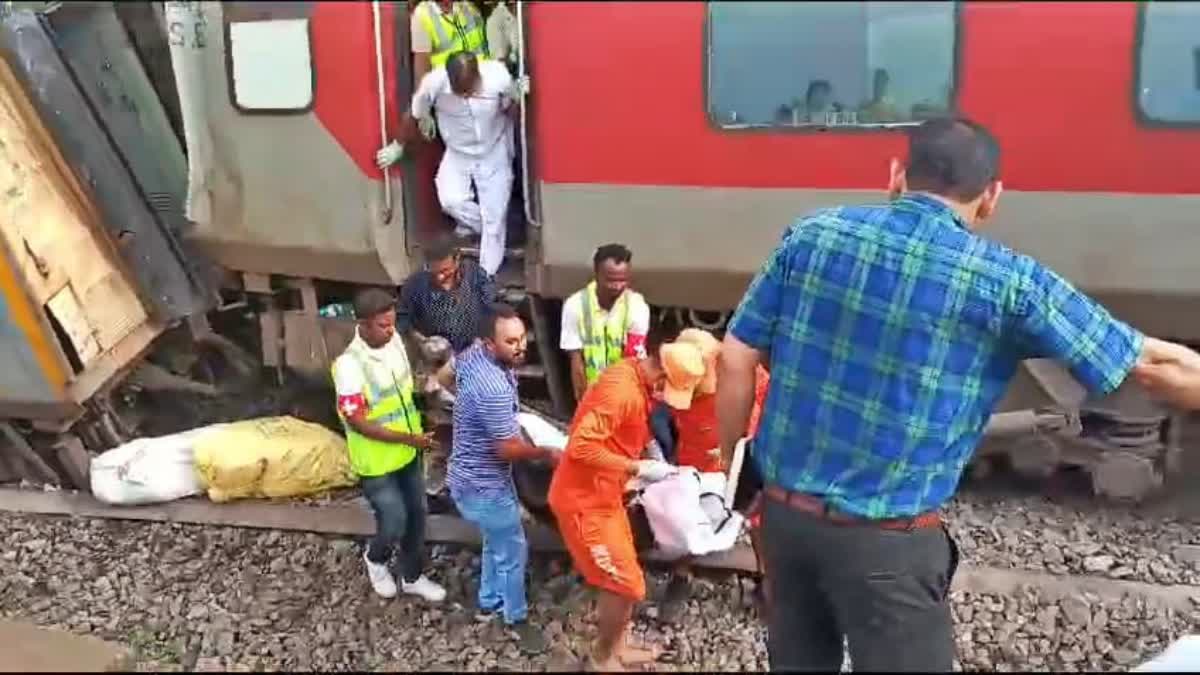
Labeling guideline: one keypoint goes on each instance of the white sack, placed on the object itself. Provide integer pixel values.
(148, 470)
(1182, 656)
(688, 516)
(542, 433)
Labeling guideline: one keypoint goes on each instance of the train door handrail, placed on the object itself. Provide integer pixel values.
(525, 182)
(387, 178)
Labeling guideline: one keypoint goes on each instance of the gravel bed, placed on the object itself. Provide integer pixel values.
(1025, 632)
(1033, 533)
(207, 598)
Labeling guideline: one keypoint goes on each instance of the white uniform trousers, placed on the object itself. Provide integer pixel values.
(493, 178)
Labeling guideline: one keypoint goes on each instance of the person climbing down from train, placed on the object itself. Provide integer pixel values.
(606, 321)
(441, 306)
(438, 28)
(474, 103)
(882, 381)
(698, 445)
(384, 437)
(487, 440)
(606, 440)
(439, 311)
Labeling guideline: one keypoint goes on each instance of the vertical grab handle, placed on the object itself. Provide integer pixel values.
(521, 72)
(387, 179)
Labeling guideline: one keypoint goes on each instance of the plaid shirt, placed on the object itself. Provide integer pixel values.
(893, 331)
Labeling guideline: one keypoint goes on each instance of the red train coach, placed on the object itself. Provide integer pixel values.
(680, 129)
(695, 132)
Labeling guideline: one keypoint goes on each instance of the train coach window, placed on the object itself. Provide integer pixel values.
(270, 65)
(819, 64)
(1168, 88)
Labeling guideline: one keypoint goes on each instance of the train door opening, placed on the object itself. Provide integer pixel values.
(424, 157)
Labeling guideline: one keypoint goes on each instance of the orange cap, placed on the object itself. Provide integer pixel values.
(684, 367)
(709, 348)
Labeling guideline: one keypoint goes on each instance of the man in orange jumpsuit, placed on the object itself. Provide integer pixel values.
(699, 445)
(607, 438)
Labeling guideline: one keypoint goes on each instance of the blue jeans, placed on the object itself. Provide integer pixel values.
(664, 430)
(398, 500)
(505, 553)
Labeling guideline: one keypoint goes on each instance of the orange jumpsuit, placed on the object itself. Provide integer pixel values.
(697, 427)
(610, 430)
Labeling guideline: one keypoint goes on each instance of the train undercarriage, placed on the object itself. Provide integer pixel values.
(267, 348)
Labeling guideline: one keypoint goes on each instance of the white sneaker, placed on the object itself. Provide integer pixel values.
(381, 578)
(424, 588)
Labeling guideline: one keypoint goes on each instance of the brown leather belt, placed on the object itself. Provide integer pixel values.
(818, 507)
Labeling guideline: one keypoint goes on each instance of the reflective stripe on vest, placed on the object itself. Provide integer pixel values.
(391, 407)
(603, 338)
(465, 32)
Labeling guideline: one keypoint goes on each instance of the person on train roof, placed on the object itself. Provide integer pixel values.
(606, 442)
(605, 321)
(474, 103)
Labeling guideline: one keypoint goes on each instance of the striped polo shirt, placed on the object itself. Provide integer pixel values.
(485, 412)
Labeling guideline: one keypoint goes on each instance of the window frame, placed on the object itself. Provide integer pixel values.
(1143, 118)
(956, 55)
(266, 12)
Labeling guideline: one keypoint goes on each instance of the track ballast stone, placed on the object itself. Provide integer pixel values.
(213, 598)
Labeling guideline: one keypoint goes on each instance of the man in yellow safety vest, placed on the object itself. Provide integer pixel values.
(439, 28)
(383, 435)
(605, 321)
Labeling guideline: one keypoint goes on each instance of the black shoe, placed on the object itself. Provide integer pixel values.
(529, 639)
(675, 599)
(486, 614)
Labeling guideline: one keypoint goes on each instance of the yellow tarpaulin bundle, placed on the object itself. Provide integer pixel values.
(271, 457)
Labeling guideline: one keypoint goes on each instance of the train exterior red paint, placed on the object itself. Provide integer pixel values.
(630, 144)
(679, 137)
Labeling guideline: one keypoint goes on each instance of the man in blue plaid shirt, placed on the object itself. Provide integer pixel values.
(891, 332)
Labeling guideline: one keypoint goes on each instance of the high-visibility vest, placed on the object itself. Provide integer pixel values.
(603, 337)
(463, 30)
(389, 404)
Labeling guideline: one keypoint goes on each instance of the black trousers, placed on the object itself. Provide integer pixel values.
(885, 591)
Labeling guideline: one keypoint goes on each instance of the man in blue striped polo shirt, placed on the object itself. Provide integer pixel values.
(487, 439)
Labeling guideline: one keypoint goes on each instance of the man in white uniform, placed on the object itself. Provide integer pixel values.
(473, 101)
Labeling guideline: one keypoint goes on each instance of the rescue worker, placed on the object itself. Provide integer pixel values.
(487, 440)
(608, 434)
(473, 100)
(605, 321)
(384, 437)
(698, 445)
(438, 28)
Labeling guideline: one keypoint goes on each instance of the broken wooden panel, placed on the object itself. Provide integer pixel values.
(64, 306)
(64, 259)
